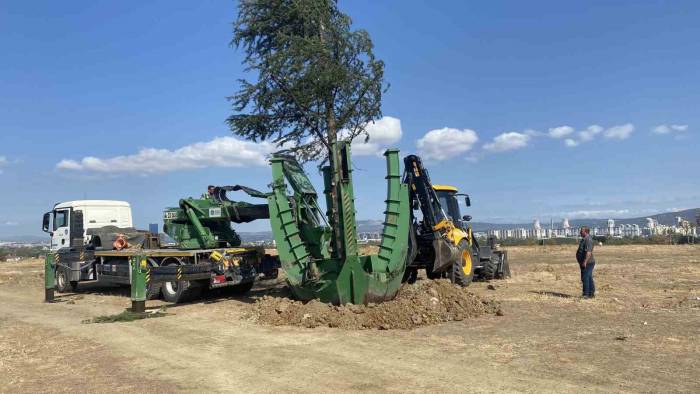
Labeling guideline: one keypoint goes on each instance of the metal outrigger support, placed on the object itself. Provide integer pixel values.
(139, 275)
(49, 278)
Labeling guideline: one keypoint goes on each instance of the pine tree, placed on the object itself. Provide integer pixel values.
(317, 80)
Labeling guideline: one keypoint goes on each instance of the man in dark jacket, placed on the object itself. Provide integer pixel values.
(586, 261)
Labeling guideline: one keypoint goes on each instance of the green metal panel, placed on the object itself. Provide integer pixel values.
(139, 269)
(49, 272)
(346, 277)
(49, 278)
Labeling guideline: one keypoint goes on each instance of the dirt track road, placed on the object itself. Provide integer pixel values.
(640, 335)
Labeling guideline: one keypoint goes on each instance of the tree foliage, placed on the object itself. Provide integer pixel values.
(317, 80)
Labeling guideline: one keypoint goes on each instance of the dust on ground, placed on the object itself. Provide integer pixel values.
(640, 334)
(420, 304)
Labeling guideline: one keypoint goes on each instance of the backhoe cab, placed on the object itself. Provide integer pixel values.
(448, 196)
(488, 261)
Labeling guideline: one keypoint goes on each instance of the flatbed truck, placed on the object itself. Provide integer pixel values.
(81, 251)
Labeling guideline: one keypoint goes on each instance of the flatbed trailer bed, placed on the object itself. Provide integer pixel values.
(177, 274)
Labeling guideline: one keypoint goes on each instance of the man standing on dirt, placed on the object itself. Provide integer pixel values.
(586, 261)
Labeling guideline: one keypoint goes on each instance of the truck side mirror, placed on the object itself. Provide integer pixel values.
(467, 201)
(46, 221)
(467, 218)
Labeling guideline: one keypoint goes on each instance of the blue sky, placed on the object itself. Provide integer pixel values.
(540, 109)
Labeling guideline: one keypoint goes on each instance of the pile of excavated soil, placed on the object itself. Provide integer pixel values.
(424, 303)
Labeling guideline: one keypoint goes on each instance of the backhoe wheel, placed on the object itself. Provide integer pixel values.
(462, 271)
(489, 268)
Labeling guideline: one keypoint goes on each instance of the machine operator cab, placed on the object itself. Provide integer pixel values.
(448, 200)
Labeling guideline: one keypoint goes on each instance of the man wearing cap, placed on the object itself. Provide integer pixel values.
(586, 261)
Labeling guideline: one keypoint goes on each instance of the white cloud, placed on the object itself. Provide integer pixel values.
(219, 152)
(532, 133)
(441, 144)
(570, 142)
(508, 141)
(382, 134)
(561, 131)
(620, 132)
(590, 132)
(10, 223)
(667, 129)
(3, 163)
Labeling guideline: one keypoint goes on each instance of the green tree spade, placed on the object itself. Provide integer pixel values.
(317, 80)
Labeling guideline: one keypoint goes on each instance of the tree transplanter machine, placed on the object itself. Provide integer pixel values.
(319, 252)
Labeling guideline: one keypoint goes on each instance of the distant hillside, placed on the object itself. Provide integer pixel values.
(25, 238)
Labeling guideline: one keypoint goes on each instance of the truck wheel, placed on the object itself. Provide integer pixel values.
(152, 289)
(488, 269)
(462, 271)
(172, 291)
(62, 282)
(242, 288)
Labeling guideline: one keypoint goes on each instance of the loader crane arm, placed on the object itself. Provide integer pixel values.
(201, 223)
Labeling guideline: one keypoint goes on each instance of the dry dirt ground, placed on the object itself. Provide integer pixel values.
(641, 334)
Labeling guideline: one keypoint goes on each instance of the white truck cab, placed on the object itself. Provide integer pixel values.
(64, 222)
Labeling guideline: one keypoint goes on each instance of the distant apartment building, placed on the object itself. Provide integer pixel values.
(612, 230)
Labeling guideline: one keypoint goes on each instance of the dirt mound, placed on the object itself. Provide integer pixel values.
(424, 303)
